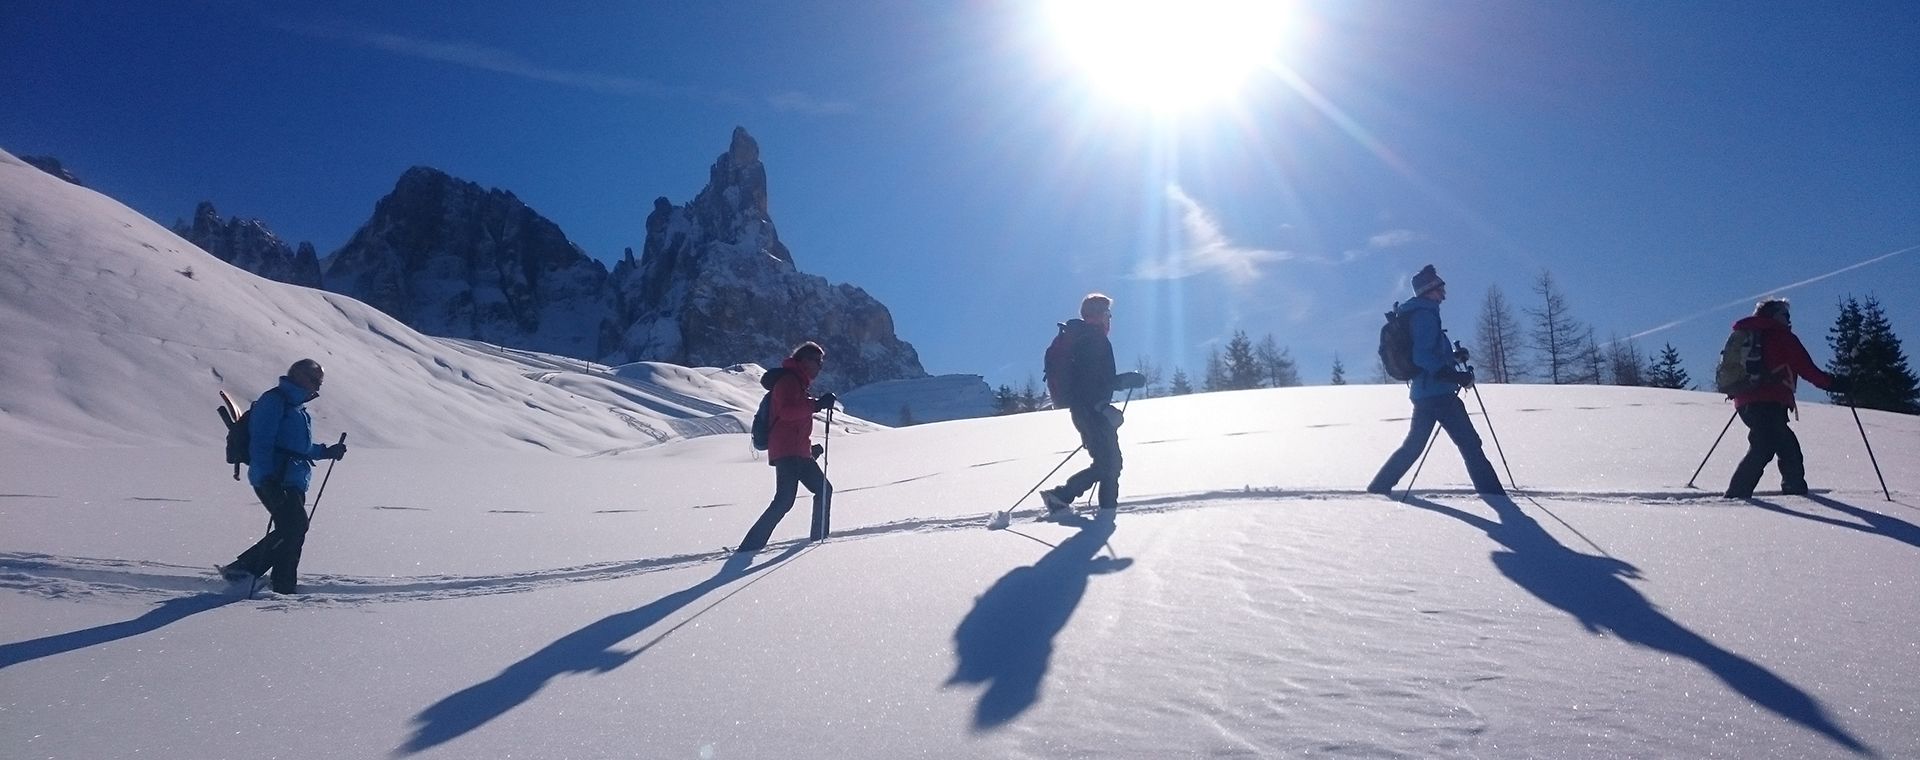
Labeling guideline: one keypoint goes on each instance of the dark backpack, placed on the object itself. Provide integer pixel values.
(763, 417)
(1396, 345)
(1057, 369)
(240, 436)
(1743, 365)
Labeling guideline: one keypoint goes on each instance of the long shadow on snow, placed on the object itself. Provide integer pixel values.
(1006, 640)
(1876, 523)
(162, 615)
(591, 649)
(1591, 589)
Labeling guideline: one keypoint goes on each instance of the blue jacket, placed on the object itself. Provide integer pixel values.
(282, 436)
(1432, 352)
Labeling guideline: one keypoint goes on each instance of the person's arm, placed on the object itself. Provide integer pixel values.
(790, 400)
(1802, 364)
(1430, 352)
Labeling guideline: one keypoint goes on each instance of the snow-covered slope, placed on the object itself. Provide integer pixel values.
(117, 332)
(464, 597)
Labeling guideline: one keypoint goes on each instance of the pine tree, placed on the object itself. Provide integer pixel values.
(1276, 366)
(1151, 372)
(1006, 400)
(1866, 351)
(1179, 386)
(1030, 396)
(1216, 377)
(1667, 372)
(1339, 371)
(1243, 367)
(1500, 346)
(1565, 345)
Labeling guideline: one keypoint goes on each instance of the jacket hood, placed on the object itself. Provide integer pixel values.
(294, 391)
(1760, 323)
(1416, 304)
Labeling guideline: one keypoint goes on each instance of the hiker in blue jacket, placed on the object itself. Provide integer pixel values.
(279, 467)
(1436, 392)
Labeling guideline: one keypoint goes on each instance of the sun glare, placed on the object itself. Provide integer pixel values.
(1169, 55)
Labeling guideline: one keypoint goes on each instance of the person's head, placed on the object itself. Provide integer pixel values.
(1775, 309)
(307, 374)
(811, 355)
(1427, 284)
(1097, 309)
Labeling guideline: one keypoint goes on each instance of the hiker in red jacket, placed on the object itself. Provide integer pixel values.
(790, 446)
(1764, 406)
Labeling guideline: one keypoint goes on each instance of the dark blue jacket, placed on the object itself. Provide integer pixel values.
(1432, 352)
(282, 436)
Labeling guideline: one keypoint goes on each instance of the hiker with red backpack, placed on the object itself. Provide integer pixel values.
(1080, 377)
(790, 448)
(1433, 367)
(1759, 370)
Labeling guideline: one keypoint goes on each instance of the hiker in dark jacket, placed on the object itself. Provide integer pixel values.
(1436, 393)
(1087, 393)
(279, 468)
(1764, 406)
(790, 448)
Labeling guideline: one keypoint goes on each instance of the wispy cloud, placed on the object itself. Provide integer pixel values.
(498, 61)
(1382, 241)
(1206, 249)
(800, 102)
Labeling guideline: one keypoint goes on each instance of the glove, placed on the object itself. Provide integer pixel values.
(1841, 385)
(1460, 353)
(818, 450)
(825, 402)
(1463, 377)
(1127, 381)
(334, 451)
(1114, 416)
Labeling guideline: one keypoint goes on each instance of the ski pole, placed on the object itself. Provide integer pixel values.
(1869, 445)
(323, 486)
(1496, 436)
(1423, 462)
(1716, 444)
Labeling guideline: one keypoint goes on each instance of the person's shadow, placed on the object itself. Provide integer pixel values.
(592, 649)
(1885, 525)
(1592, 590)
(1006, 640)
(163, 614)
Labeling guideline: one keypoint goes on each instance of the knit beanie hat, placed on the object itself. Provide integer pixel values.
(1426, 280)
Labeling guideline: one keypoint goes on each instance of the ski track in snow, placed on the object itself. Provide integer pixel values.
(57, 577)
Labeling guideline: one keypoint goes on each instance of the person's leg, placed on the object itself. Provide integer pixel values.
(809, 475)
(1087, 421)
(1451, 412)
(1762, 444)
(1793, 465)
(290, 528)
(258, 558)
(1403, 458)
(786, 478)
(1103, 443)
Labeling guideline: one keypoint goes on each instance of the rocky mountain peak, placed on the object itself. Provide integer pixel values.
(249, 244)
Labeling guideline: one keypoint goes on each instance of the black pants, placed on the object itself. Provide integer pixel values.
(789, 474)
(1448, 412)
(1102, 442)
(1767, 437)
(278, 553)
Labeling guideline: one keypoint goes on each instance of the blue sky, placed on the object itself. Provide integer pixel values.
(1665, 161)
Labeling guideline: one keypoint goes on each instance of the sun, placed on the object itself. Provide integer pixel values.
(1169, 55)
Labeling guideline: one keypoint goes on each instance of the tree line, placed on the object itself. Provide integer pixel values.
(1545, 343)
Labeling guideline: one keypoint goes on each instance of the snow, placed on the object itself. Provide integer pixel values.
(507, 565)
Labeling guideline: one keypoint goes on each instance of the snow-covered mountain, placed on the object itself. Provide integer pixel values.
(715, 285)
(119, 333)
(448, 257)
(250, 245)
(921, 400)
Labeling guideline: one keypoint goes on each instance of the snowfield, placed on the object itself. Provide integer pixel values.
(522, 556)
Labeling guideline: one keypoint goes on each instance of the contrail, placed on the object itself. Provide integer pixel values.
(1750, 299)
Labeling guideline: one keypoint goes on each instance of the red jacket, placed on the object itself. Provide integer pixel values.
(791, 433)
(1785, 358)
